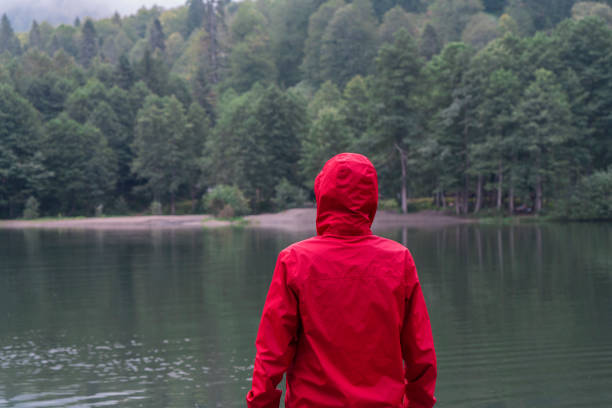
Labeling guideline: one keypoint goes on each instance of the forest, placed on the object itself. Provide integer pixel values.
(477, 106)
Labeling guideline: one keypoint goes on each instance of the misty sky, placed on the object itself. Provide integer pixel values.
(21, 12)
(123, 6)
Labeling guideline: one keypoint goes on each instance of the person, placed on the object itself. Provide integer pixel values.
(345, 317)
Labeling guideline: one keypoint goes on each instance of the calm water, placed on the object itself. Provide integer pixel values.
(522, 316)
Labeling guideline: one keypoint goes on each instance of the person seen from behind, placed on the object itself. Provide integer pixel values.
(345, 317)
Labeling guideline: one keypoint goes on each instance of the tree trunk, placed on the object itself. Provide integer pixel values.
(193, 199)
(457, 203)
(539, 199)
(443, 198)
(466, 196)
(500, 185)
(213, 48)
(404, 192)
(478, 194)
(172, 206)
(511, 199)
(538, 187)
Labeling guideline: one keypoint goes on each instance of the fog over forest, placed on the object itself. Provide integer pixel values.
(22, 12)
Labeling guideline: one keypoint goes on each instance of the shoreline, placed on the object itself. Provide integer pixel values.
(298, 219)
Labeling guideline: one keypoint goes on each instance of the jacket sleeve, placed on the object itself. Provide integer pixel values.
(417, 346)
(276, 340)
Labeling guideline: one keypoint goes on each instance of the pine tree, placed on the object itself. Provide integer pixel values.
(34, 38)
(124, 74)
(89, 43)
(349, 43)
(195, 16)
(116, 19)
(430, 43)
(202, 92)
(8, 41)
(311, 64)
(154, 72)
(156, 37)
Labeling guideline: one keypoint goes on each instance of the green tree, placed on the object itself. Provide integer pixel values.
(156, 37)
(497, 151)
(195, 15)
(158, 147)
(357, 107)
(398, 125)
(8, 41)
(196, 134)
(583, 51)
(586, 9)
(327, 96)
(450, 17)
(20, 168)
(65, 37)
(394, 20)
(383, 6)
(289, 30)
(48, 94)
(84, 167)
(480, 30)
(328, 136)
(545, 123)
(450, 108)
(251, 59)
(318, 22)
(124, 73)
(349, 43)
(281, 126)
(430, 44)
(153, 70)
(254, 130)
(34, 37)
(89, 43)
(82, 102)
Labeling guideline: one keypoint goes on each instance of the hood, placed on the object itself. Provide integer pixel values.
(347, 195)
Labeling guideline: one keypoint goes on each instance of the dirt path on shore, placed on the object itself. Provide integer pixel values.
(299, 219)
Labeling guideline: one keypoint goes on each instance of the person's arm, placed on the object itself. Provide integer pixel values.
(276, 340)
(417, 346)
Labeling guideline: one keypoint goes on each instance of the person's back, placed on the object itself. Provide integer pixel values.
(345, 309)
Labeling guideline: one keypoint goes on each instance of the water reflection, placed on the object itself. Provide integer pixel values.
(521, 314)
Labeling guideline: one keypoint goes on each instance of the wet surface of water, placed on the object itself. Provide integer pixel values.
(522, 316)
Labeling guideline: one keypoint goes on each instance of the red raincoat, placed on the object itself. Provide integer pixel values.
(345, 317)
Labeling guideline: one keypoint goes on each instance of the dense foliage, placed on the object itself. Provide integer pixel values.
(499, 104)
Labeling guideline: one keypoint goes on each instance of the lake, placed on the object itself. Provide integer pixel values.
(521, 315)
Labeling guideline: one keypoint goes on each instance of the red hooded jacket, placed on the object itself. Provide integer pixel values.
(345, 317)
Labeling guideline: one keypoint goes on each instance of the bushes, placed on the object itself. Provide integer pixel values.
(413, 204)
(288, 196)
(120, 207)
(30, 210)
(592, 199)
(226, 201)
(156, 208)
(388, 204)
